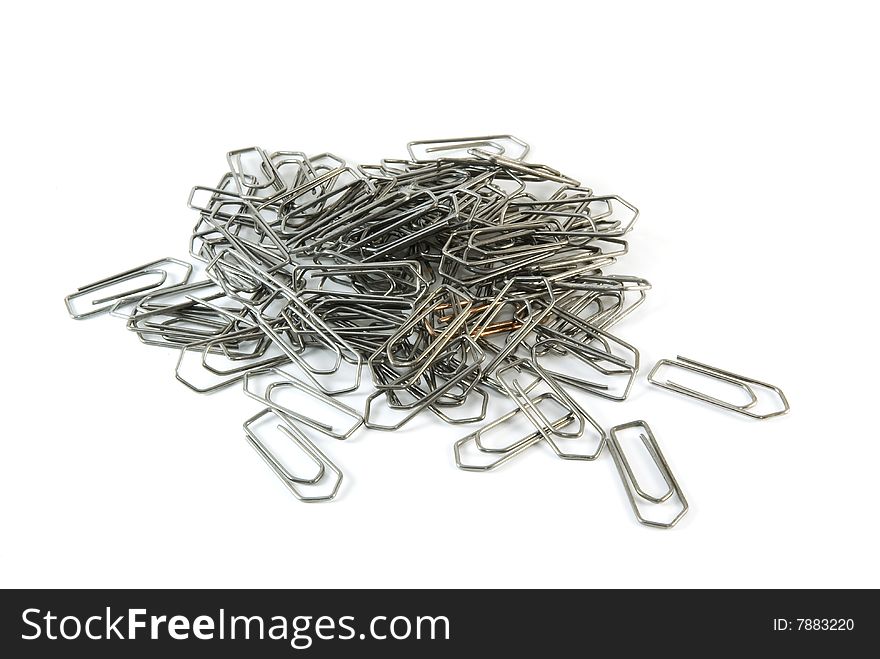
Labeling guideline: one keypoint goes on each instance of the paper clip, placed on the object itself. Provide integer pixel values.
(742, 381)
(634, 491)
(152, 275)
(296, 484)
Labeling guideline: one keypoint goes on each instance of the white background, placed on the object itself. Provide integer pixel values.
(747, 137)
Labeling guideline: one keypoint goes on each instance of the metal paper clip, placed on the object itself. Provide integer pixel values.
(746, 383)
(327, 472)
(634, 492)
(285, 380)
(147, 277)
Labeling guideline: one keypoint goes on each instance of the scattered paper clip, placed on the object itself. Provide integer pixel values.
(634, 492)
(746, 383)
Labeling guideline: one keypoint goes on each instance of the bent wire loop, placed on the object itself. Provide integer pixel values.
(282, 380)
(147, 277)
(635, 493)
(745, 383)
(327, 472)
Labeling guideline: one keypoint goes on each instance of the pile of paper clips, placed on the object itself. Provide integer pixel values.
(457, 274)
